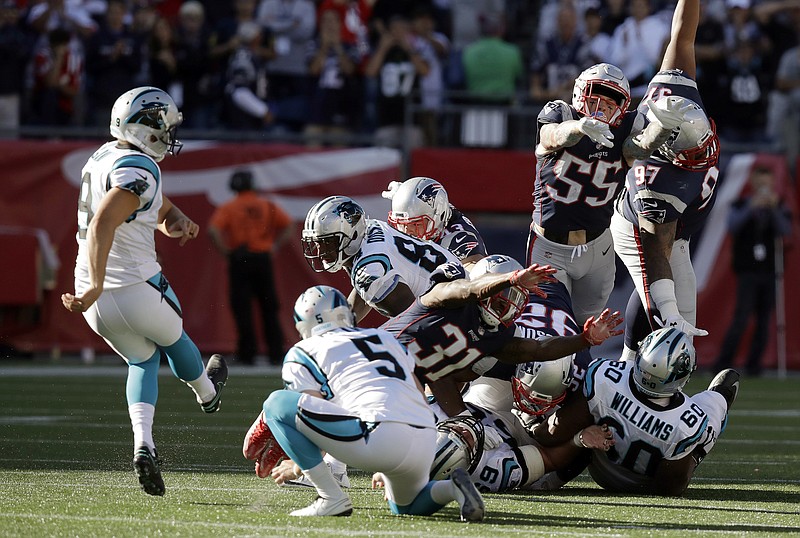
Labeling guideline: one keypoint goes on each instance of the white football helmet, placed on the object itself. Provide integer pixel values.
(459, 443)
(695, 144)
(332, 233)
(505, 307)
(148, 118)
(664, 362)
(420, 208)
(602, 80)
(320, 309)
(540, 386)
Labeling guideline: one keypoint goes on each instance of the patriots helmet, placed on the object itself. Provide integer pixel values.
(664, 362)
(420, 208)
(504, 307)
(320, 309)
(147, 118)
(540, 386)
(695, 144)
(332, 233)
(602, 82)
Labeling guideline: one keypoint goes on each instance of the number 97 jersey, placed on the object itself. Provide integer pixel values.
(645, 433)
(388, 257)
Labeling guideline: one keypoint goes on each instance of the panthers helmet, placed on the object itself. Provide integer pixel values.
(540, 386)
(147, 118)
(505, 307)
(420, 208)
(602, 80)
(332, 233)
(664, 362)
(695, 144)
(320, 309)
(459, 443)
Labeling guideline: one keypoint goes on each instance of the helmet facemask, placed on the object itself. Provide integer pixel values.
(529, 401)
(420, 208)
(325, 253)
(505, 307)
(422, 227)
(602, 83)
(699, 157)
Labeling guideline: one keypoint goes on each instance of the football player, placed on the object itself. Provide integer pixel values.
(668, 196)
(388, 269)
(352, 393)
(421, 208)
(583, 151)
(461, 328)
(119, 287)
(660, 434)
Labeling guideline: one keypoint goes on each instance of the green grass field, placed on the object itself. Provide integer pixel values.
(65, 453)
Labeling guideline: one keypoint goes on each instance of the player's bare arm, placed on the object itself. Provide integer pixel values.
(568, 420)
(639, 146)
(595, 332)
(358, 305)
(672, 477)
(400, 298)
(114, 209)
(172, 222)
(460, 292)
(557, 136)
(657, 241)
(680, 49)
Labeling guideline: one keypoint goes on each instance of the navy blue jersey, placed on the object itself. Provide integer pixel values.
(575, 187)
(543, 318)
(659, 191)
(461, 237)
(445, 340)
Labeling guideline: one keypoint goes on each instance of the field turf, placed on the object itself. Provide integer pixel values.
(65, 470)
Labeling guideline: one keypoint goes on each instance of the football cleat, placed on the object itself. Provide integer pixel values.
(262, 447)
(326, 507)
(726, 383)
(467, 496)
(217, 372)
(302, 482)
(147, 467)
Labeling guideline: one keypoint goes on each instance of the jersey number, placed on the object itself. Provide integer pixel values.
(379, 354)
(85, 205)
(575, 187)
(452, 358)
(423, 255)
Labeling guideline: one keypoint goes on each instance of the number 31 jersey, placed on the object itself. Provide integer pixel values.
(645, 433)
(388, 257)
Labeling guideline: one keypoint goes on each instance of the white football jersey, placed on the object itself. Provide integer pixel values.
(645, 432)
(132, 258)
(366, 371)
(388, 257)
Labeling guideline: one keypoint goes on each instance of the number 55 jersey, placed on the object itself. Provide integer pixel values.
(645, 432)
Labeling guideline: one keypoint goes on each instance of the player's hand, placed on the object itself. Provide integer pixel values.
(82, 303)
(596, 130)
(597, 437)
(529, 277)
(684, 326)
(391, 189)
(286, 470)
(378, 481)
(183, 228)
(597, 331)
(669, 112)
(491, 438)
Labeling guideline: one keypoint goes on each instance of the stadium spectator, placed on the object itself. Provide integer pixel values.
(354, 16)
(558, 60)
(597, 42)
(431, 85)
(162, 64)
(785, 103)
(70, 14)
(119, 287)
(333, 65)
(291, 24)
(15, 46)
(745, 89)
(711, 59)
(247, 230)
(756, 221)
(614, 14)
(57, 75)
(246, 81)
(192, 53)
(113, 61)
(492, 66)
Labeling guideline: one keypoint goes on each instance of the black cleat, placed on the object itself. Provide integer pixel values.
(726, 383)
(217, 372)
(147, 467)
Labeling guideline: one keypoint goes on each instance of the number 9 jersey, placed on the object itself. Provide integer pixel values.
(388, 257)
(645, 432)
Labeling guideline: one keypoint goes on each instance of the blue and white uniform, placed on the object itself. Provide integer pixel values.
(388, 257)
(660, 192)
(574, 191)
(644, 431)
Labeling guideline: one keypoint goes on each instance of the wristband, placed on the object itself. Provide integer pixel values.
(577, 440)
(663, 294)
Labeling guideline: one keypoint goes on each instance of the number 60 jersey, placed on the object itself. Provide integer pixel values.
(645, 432)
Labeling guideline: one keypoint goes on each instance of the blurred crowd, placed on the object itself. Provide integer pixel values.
(328, 67)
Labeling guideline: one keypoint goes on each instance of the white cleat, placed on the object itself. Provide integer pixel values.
(467, 496)
(326, 507)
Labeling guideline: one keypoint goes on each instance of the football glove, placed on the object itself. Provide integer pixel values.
(492, 438)
(391, 189)
(669, 112)
(684, 326)
(596, 130)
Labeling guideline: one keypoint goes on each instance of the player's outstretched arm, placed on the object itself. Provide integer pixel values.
(457, 293)
(557, 136)
(680, 49)
(567, 421)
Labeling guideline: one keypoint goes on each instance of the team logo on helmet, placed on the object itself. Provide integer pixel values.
(149, 115)
(428, 194)
(350, 212)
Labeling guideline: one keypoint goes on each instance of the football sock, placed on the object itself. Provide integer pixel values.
(142, 424)
(337, 467)
(280, 410)
(184, 358)
(426, 503)
(441, 491)
(142, 383)
(327, 487)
